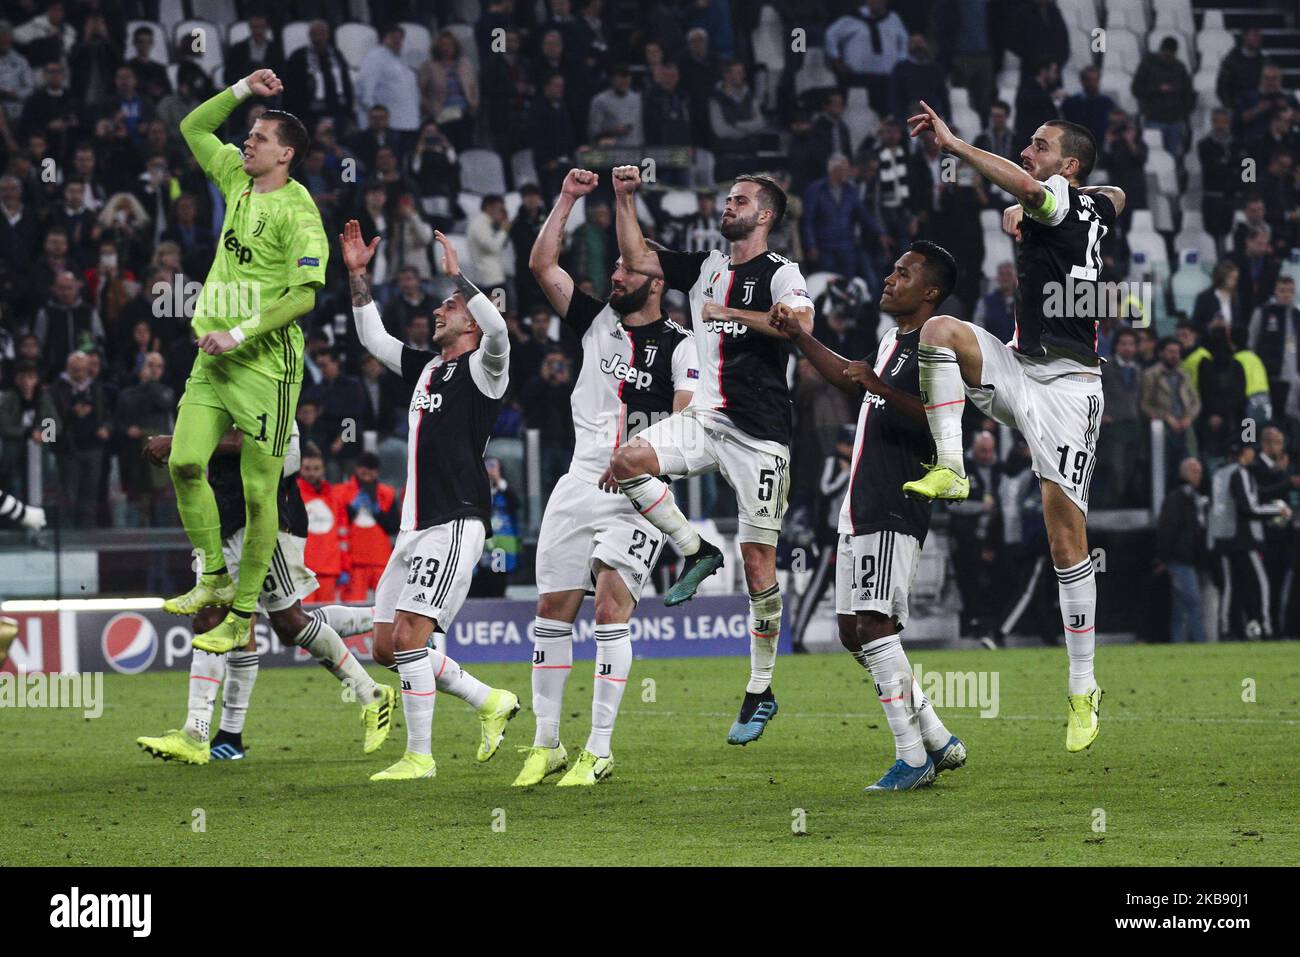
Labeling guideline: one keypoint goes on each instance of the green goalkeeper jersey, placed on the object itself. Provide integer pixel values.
(270, 242)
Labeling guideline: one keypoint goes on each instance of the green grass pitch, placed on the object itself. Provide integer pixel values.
(1184, 772)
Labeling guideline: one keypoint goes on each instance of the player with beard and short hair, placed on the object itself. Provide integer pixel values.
(882, 529)
(638, 366)
(1046, 382)
(739, 422)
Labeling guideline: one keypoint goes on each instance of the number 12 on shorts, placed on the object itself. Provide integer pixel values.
(1080, 463)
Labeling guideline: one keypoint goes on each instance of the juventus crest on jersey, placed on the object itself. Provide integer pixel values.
(628, 379)
(742, 372)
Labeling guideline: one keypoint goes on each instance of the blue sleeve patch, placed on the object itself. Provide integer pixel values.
(308, 261)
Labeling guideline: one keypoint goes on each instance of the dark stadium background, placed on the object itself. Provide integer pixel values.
(759, 86)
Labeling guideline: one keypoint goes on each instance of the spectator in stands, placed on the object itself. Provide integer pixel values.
(1280, 136)
(433, 170)
(94, 61)
(388, 171)
(258, 51)
(1273, 335)
(966, 48)
(1240, 69)
(736, 122)
(507, 86)
(701, 70)
(27, 413)
(385, 397)
(545, 402)
(372, 512)
(410, 298)
(917, 77)
(1220, 301)
(488, 234)
(1236, 533)
(553, 57)
(552, 135)
(419, 331)
(384, 78)
(192, 237)
(150, 74)
(54, 260)
(1180, 551)
(317, 81)
(1037, 32)
(1122, 444)
(1277, 189)
(594, 248)
(1124, 157)
(143, 410)
(893, 192)
(1258, 271)
(501, 549)
(666, 113)
(449, 90)
(524, 230)
(16, 79)
(86, 419)
(342, 419)
(702, 230)
(128, 104)
(1221, 382)
(192, 88)
(996, 308)
(327, 526)
(1169, 394)
(409, 238)
(1220, 156)
(110, 285)
(1038, 99)
(614, 116)
(52, 108)
(1255, 109)
(863, 48)
(829, 130)
(976, 529)
(1090, 107)
(1275, 479)
(377, 135)
(66, 323)
(833, 218)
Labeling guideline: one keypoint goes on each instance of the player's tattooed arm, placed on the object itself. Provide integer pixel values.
(544, 257)
(360, 289)
(464, 286)
(1112, 193)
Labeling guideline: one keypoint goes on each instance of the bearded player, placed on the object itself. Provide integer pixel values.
(1046, 382)
(267, 268)
(739, 422)
(637, 366)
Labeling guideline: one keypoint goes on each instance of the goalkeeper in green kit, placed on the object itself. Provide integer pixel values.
(270, 261)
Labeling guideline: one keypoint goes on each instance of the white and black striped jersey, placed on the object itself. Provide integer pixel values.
(1057, 257)
(452, 412)
(628, 379)
(742, 372)
(12, 508)
(888, 450)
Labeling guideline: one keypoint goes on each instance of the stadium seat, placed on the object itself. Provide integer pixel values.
(814, 74)
(1078, 14)
(769, 41)
(513, 202)
(469, 204)
(702, 170)
(818, 282)
(170, 13)
(1177, 13)
(1123, 52)
(161, 52)
(354, 41)
(1188, 281)
(859, 117)
(1291, 265)
(1212, 46)
(239, 31)
(416, 45)
(482, 172)
(678, 202)
(295, 37)
(1162, 211)
(1212, 20)
(522, 168)
(1131, 14)
(1161, 172)
(212, 53)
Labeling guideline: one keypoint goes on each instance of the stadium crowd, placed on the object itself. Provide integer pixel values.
(465, 116)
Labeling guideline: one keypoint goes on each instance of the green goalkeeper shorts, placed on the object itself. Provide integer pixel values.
(262, 407)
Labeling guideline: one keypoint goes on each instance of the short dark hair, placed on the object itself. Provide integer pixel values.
(1003, 104)
(310, 450)
(291, 133)
(1131, 333)
(490, 199)
(368, 460)
(770, 195)
(1077, 141)
(147, 31)
(940, 266)
(1167, 341)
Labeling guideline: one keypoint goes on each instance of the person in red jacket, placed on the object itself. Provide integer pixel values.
(373, 514)
(327, 526)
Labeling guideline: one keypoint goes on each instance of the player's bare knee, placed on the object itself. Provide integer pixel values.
(941, 331)
(288, 623)
(629, 461)
(872, 626)
(551, 606)
(848, 629)
(611, 610)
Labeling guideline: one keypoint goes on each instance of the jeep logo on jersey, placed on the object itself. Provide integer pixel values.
(726, 326)
(424, 402)
(243, 254)
(621, 370)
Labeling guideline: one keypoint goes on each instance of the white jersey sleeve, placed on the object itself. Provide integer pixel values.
(1056, 205)
(490, 363)
(686, 366)
(789, 287)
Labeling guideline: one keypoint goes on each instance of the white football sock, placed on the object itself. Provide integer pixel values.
(241, 675)
(552, 663)
(613, 663)
(320, 640)
(933, 732)
(885, 659)
(944, 396)
(1076, 587)
(206, 672)
(347, 620)
(418, 695)
(653, 498)
(764, 634)
(456, 681)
